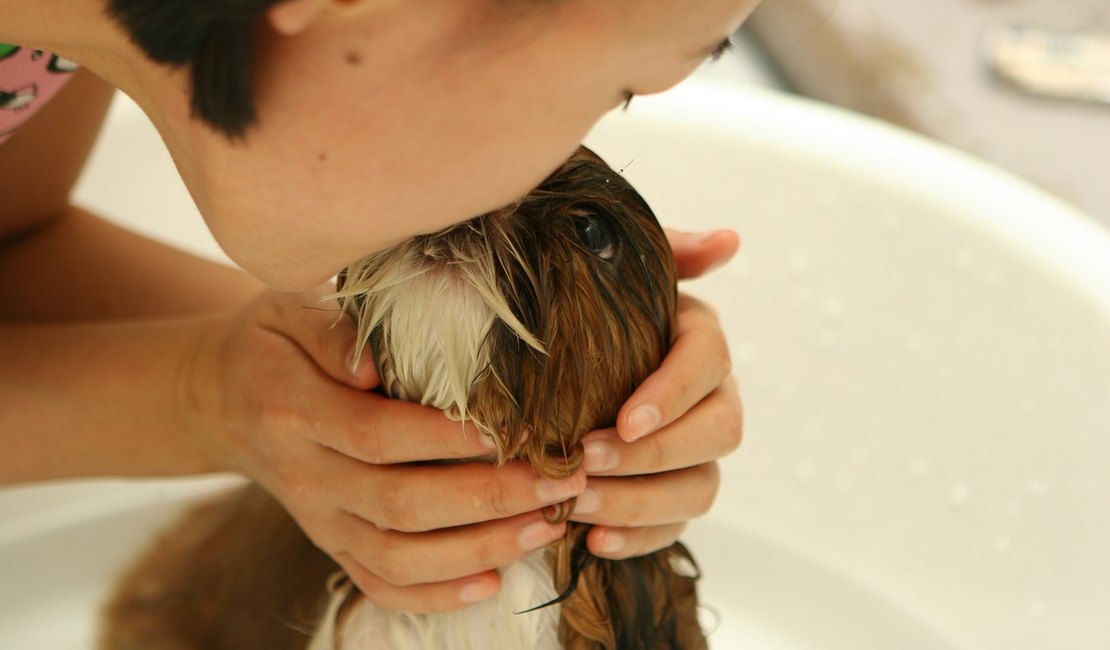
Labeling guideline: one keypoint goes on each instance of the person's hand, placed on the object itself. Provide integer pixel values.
(270, 393)
(658, 468)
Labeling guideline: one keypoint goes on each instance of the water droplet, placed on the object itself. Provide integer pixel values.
(919, 467)
(832, 308)
(799, 297)
(1037, 608)
(1036, 487)
(891, 220)
(799, 263)
(958, 495)
(914, 343)
(827, 339)
(1003, 544)
(805, 471)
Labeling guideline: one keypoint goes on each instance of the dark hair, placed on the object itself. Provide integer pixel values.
(214, 38)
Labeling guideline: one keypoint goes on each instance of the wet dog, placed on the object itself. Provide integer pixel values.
(534, 322)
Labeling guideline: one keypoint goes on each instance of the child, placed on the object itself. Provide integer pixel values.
(309, 133)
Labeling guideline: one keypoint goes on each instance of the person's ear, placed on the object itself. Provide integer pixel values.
(294, 16)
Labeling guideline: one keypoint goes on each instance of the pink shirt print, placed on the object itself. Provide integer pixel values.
(28, 79)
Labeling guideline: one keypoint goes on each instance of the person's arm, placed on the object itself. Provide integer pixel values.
(122, 357)
(58, 262)
(80, 400)
(89, 399)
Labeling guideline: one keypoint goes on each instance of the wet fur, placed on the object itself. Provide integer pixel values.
(555, 338)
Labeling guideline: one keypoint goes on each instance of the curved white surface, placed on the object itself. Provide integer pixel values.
(924, 346)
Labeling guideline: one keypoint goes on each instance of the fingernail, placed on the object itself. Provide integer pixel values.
(539, 534)
(487, 441)
(599, 456)
(642, 421)
(476, 592)
(611, 542)
(552, 491)
(587, 503)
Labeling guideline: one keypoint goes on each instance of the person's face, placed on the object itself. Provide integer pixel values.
(406, 117)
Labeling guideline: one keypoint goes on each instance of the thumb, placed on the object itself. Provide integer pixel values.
(695, 254)
(317, 324)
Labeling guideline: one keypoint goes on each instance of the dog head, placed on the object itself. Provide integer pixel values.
(535, 321)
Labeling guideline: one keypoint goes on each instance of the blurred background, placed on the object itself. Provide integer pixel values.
(921, 341)
(1023, 84)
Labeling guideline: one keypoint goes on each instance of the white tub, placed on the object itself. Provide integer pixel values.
(924, 349)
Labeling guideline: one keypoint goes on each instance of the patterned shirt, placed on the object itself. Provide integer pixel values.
(28, 79)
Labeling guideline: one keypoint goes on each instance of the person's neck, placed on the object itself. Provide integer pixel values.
(74, 29)
(83, 32)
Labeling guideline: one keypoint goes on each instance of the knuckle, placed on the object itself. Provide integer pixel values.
(394, 571)
(730, 421)
(369, 443)
(499, 497)
(296, 484)
(285, 422)
(487, 557)
(390, 564)
(276, 415)
(396, 509)
(373, 587)
(647, 541)
(633, 512)
(654, 453)
(704, 500)
(720, 352)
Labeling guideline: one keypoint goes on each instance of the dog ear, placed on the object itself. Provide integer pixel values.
(498, 396)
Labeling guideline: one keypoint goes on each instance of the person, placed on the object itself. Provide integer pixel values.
(310, 133)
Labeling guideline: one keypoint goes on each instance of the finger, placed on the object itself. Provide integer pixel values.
(407, 559)
(696, 365)
(623, 543)
(709, 431)
(696, 254)
(382, 431)
(422, 599)
(317, 325)
(418, 498)
(655, 500)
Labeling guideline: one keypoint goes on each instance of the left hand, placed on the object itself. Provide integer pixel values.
(658, 468)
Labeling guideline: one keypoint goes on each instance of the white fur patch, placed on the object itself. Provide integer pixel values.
(492, 624)
(434, 302)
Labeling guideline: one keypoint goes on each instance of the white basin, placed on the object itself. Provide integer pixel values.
(924, 349)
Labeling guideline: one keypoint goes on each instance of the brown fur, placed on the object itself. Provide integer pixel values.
(235, 573)
(239, 574)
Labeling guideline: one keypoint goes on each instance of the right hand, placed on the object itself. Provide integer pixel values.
(270, 392)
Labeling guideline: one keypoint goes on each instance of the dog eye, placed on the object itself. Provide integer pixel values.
(595, 236)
